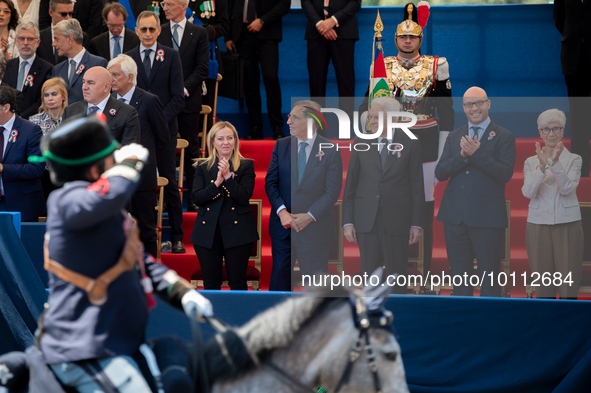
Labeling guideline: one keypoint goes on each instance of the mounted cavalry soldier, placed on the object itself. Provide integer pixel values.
(421, 85)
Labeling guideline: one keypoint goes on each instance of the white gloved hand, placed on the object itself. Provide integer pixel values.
(193, 300)
(133, 149)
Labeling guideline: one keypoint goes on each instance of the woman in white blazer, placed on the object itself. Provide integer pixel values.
(554, 232)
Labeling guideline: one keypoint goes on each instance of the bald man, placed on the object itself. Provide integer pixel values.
(478, 159)
(122, 119)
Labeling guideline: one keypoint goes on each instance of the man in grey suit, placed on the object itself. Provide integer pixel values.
(121, 118)
(478, 159)
(384, 199)
(68, 42)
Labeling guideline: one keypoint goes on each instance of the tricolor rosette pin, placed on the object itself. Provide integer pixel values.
(80, 69)
(320, 155)
(160, 55)
(397, 149)
(491, 135)
(29, 80)
(13, 135)
(112, 112)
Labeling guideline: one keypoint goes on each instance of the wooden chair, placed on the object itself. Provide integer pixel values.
(181, 145)
(162, 182)
(415, 266)
(253, 272)
(505, 260)
(205, 110)
(215, 100)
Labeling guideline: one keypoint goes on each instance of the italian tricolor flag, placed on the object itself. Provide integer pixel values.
(379, 81)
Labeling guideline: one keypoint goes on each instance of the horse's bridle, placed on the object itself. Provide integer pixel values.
(363, 322)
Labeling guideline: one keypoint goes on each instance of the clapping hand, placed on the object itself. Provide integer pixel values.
(469, 146)
(542, 156)
(557, 150)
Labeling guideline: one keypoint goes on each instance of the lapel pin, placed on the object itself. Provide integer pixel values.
(80, 69)
(13, 135)
(397, 149)
(160, 55)
(491, 135)
(112, 112)
(320, 155)
(29, 81)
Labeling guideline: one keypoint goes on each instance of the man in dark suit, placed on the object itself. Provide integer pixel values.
(28, 72)
(122, 119)
(20, 180)
(68, 42)
(154, 137)
(573, 20)
(193, 46)
(58, 11)
(384, 198)
(118, 39)
(478, 158)
(302, 196)
(255, 34)
(88, 13)
(20, 100)
(160, 72)
(331, 33)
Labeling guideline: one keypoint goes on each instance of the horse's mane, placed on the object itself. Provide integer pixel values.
(277, 326)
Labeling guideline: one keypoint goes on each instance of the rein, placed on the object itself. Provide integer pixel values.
(363, 322)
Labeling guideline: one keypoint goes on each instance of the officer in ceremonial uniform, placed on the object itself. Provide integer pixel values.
(92, 332)
(421, 84)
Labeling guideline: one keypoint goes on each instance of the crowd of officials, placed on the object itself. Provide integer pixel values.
(149, 84)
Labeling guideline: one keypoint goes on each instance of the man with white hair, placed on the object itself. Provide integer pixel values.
(68, 42)
(28, 72)
(383, 202)
(154, 137)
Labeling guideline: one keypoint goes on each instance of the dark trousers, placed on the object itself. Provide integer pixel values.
(578, 86)
(142, 208)
(211, 260)
(167, 169)
(208, 99)
(378, 248)
(342, 53)
(428, 236)
(463, 244)
(282, 262)
(266, 53)
(189, 130)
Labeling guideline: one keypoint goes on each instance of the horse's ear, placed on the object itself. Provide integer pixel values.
(376, 291)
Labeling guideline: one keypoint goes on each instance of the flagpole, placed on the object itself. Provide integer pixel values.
(378, 28)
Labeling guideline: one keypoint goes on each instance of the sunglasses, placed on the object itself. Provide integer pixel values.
(65, 14)
(144, 29)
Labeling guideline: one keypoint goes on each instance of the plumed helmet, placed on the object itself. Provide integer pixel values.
(414, 20)
(75, 146)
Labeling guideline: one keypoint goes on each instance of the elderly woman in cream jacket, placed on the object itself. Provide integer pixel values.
(554, 233)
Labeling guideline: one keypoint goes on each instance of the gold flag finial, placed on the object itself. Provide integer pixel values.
(378, 27)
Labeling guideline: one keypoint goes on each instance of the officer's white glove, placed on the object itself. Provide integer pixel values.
(131, 150)
(194, 301)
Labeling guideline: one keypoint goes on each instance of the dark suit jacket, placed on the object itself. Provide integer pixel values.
(45, 50)
(344, 10)
(100, 45)
(269, 11)
(194, 52)
(217, 26)
(573, 20)
(20, 99)
(317, 192)
(154, 133)
(22, 179)
(75, 91)
(399, 189)
(233, 212)
(122, 119)
(165, 81)
(87, 12)
(475, 193)
(40, 71)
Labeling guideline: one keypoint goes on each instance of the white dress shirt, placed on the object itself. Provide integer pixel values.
(77, 59)
(127, 96)
(180, 30)
(27, 68)
(112, 42)
(101, 105)
(152, 54)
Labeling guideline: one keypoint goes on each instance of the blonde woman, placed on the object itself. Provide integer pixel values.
(225, 227)
(554, 232)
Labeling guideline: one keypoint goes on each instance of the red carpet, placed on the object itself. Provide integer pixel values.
(260, 152)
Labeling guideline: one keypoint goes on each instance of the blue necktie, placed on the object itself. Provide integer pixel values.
(384, 152)
(175, 37)
(301, 161)
(474, 131)
(117, 47)
(1, 143)
(93, 109)
(147, 63)
(21, 76)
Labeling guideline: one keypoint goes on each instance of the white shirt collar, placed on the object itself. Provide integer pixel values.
(8, 125)
(181, 24)
(310, 141)
(30, 60)
(78, 57)
(122, 35)
(483, 125)
(101, 105)
(153, 47)
(128, 95)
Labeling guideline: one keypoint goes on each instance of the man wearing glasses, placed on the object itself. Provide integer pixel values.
(118, 39)
(58, 10)
(28, 72)
(478, 159)
(88, 13)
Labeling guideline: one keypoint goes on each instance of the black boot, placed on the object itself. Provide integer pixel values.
(255, 133)
(278, 133)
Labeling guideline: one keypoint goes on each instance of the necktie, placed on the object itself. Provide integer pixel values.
(175, 37)
(1, 143)
(21, 76)
(72, 71)
(251, 11)
(147, 63)
(122, 100)
(117, 47)
(384, 152)
(474, 131)
(301, 160)
(93, 109)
